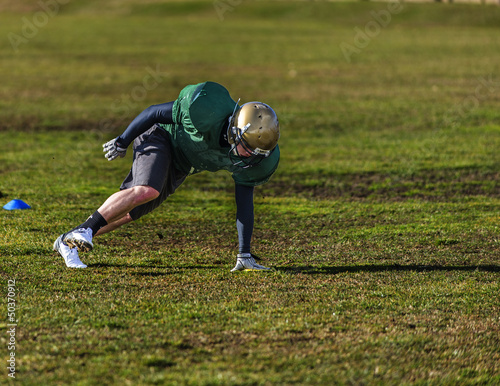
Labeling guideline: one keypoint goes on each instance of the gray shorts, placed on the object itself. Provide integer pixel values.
(153, 166)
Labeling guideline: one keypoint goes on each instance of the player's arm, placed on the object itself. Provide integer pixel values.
(244, 216)
(244, 223)
(161, 113)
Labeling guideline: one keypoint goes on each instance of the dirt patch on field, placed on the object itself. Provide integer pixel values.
(435, 184)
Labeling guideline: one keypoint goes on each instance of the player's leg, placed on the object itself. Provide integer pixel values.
(122, 202)
(113, 209)
(150, 181)
(114, 225)
(70, 254)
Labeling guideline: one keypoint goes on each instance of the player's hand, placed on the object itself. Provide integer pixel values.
(113, 150)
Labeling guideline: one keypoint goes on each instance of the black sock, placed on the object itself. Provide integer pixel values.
(94, 222)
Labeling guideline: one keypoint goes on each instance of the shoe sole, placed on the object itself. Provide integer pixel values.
(256, 269)
(77, 266)
(79, 244)
(251, 269)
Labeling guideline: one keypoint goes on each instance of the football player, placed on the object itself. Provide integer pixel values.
(204, 129)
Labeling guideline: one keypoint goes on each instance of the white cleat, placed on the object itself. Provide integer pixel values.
(80, 238)
(70, 255)
(246, 262)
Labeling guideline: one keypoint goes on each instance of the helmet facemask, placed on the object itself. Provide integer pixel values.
(241, 154)
(255, 123)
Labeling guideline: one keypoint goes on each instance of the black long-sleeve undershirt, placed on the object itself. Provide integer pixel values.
(161, 113)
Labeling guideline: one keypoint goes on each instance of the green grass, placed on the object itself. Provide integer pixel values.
(381, 222)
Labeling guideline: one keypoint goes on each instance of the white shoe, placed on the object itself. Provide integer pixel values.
(246, 262)
(70, 255)
(80, 238)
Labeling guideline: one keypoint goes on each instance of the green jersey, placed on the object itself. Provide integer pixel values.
(200, 114)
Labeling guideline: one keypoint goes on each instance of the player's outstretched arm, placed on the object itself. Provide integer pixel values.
(117, 147)
(244, 223)
(244, 216)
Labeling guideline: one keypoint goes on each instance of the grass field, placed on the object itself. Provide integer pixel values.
(382, 221)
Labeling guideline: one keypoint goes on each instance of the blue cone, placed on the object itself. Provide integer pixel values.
(16, 204)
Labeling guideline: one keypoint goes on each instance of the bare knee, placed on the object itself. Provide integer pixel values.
(144, 194)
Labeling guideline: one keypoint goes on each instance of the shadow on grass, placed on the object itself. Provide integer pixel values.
(389, 267)
(149, 266)
(310, 270)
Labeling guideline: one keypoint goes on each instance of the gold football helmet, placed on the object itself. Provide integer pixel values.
(253, 134)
